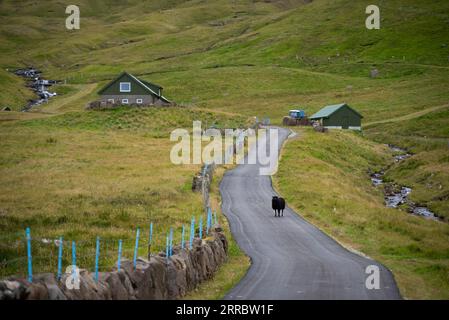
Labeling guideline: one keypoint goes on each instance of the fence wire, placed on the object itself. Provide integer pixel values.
(45, 251)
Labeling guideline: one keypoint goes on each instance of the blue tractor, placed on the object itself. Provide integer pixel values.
(297, 114)
(295, 118)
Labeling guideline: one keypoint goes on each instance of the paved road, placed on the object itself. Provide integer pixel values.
(291, 259)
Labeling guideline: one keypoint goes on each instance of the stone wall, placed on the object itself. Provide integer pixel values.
(202, 181)
(157, 278)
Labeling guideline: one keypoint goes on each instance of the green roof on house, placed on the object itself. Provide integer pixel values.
(329, 110)
(152, 86)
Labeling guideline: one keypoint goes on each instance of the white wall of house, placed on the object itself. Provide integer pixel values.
(132, 99)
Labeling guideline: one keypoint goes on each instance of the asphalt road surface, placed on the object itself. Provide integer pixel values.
(291, 258)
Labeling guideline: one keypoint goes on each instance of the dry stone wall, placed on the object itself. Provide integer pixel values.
(157, 278)
(202, 182)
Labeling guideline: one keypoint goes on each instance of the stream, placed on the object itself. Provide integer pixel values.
(396, 195)
(39, 85)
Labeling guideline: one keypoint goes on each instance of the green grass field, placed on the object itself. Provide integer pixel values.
(81, 173)
(99, 173)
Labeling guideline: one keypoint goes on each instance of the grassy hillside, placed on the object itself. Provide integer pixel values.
(427, 172)
(325, 178)
(227, 61)
(14, 94)
(250, 54)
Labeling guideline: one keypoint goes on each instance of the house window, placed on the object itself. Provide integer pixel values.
(110, 100)
(124, 101)
(125, 86)
(139, 101)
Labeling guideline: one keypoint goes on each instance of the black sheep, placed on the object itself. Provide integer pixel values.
(278, 205)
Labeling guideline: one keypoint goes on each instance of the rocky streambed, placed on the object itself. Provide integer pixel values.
(397, 195)
(39, 85)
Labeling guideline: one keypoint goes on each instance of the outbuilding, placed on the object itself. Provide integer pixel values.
(338, 116)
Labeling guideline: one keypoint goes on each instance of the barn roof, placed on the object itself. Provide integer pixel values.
(329, 110)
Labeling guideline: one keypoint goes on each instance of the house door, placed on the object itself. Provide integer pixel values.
(345, 124)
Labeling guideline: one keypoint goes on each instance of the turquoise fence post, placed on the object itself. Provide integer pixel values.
(29, 257)
(182, 237)
(171, 242)
(97, 258)
(150, 240)
(119, 254)
(166, 248)
(201, 227)
(209, 220)
(74, 259)
(192, 232)
(61, 245)
(136, 248)
(73, 253)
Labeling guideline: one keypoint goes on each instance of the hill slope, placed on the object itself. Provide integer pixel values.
(186, 44)
(245, 57)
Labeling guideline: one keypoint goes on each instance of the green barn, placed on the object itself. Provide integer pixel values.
(338, 116)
